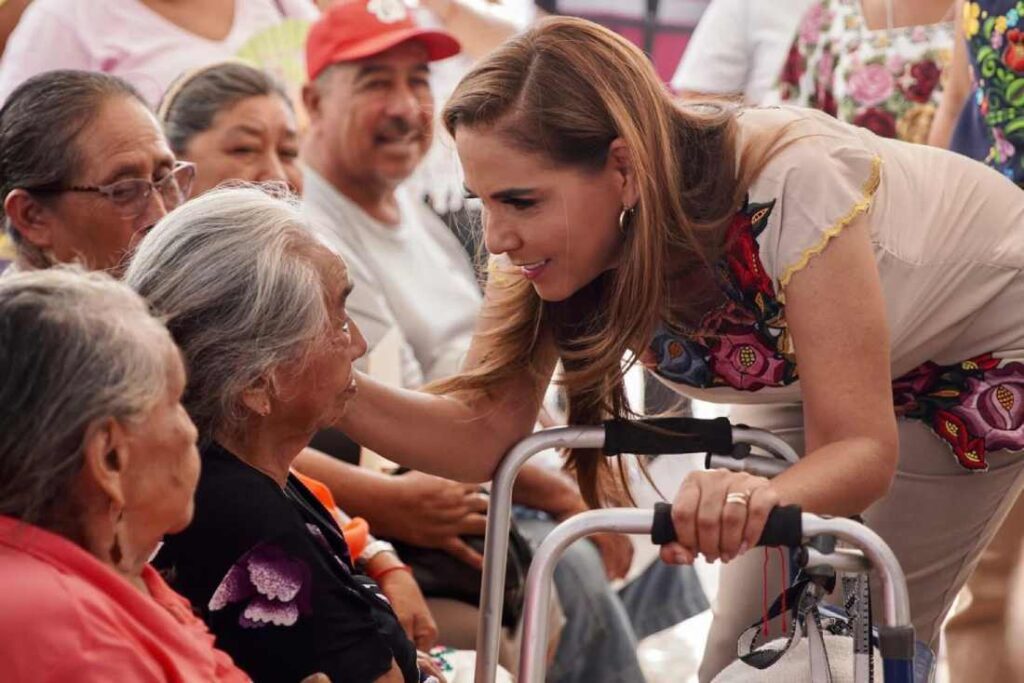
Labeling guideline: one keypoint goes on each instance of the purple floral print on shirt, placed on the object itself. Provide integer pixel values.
(273, 585)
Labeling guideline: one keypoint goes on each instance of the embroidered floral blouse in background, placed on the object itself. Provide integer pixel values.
(887, 80)
(991, 126)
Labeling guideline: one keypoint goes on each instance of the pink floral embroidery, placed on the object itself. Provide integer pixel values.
(745, 363)
(274, 586)
(975, 406)
(993, 407)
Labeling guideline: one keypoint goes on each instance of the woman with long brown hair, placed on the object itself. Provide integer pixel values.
(770, 257)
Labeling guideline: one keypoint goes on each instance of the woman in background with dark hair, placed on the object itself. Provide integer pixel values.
(236, 123)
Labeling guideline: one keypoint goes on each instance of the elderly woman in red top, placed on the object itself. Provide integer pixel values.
(97, 462)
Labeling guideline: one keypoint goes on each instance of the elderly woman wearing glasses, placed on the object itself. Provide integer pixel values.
(85, 170)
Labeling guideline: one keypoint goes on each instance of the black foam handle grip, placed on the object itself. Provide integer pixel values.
(668, 435)
(783, 527)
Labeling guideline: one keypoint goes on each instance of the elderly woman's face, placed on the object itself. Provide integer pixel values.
(313, 392)
(122, 142)
(163, 463)
(255, 140)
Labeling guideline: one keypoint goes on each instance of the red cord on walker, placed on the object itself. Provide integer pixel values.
(785, 586)
(764, 593)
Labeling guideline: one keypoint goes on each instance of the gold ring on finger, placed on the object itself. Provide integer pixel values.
(738, 497)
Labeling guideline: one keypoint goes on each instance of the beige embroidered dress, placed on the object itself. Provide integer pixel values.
(948, 236)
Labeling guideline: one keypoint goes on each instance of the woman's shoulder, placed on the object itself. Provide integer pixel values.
(80, 16)
(816, 176)
(806, 155)
(53, 620)
(234, 498)
(797, 133)
(241, 516)
(35, 590)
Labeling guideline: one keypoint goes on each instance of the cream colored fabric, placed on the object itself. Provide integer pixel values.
(937, 518)
(948, 235)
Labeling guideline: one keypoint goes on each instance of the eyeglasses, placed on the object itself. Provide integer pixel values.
(131, 196)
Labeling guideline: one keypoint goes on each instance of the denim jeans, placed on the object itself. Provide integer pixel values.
(603, 627)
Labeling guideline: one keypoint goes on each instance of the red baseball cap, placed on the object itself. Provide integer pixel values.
(356, 29)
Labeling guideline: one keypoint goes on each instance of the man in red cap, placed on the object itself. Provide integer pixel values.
(369, 100)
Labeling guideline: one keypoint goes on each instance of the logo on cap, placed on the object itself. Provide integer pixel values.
(388, 11)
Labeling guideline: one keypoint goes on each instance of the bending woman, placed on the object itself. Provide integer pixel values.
(771, 257)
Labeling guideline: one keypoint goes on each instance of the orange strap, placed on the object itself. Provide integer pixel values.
(356, 530)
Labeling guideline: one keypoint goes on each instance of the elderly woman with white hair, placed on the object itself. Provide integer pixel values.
(97, 462)
(257, 307)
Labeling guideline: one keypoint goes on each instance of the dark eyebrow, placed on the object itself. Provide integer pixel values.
(348, 289)
(512, 193)
(366, 70)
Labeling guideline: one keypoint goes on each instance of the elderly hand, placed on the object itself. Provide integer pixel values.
(432, 512)
(411, 608)
(719, 514)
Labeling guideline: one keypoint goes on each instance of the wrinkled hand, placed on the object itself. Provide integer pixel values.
(430, 667)
(706, 524)
(435, 512)
(411, 607)
(616, 553)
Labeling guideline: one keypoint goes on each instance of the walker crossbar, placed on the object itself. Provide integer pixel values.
(654, 436)
(896, 634)
(785, 525)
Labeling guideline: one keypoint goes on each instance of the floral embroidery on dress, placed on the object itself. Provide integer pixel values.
(273, 585)
(995, 39)
(744, 343)
(976, 406)
(888, 81)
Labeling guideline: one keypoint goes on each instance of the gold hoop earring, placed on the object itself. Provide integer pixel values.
(625, 218)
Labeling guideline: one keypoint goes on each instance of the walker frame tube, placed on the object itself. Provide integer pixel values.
(896, 633)
(499, 512)
(499, 522)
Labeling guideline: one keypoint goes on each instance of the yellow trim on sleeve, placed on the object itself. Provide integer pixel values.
(867, 194)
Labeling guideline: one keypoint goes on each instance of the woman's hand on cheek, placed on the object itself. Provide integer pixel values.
(707, 523)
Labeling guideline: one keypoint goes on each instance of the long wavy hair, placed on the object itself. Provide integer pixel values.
(565, 90)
